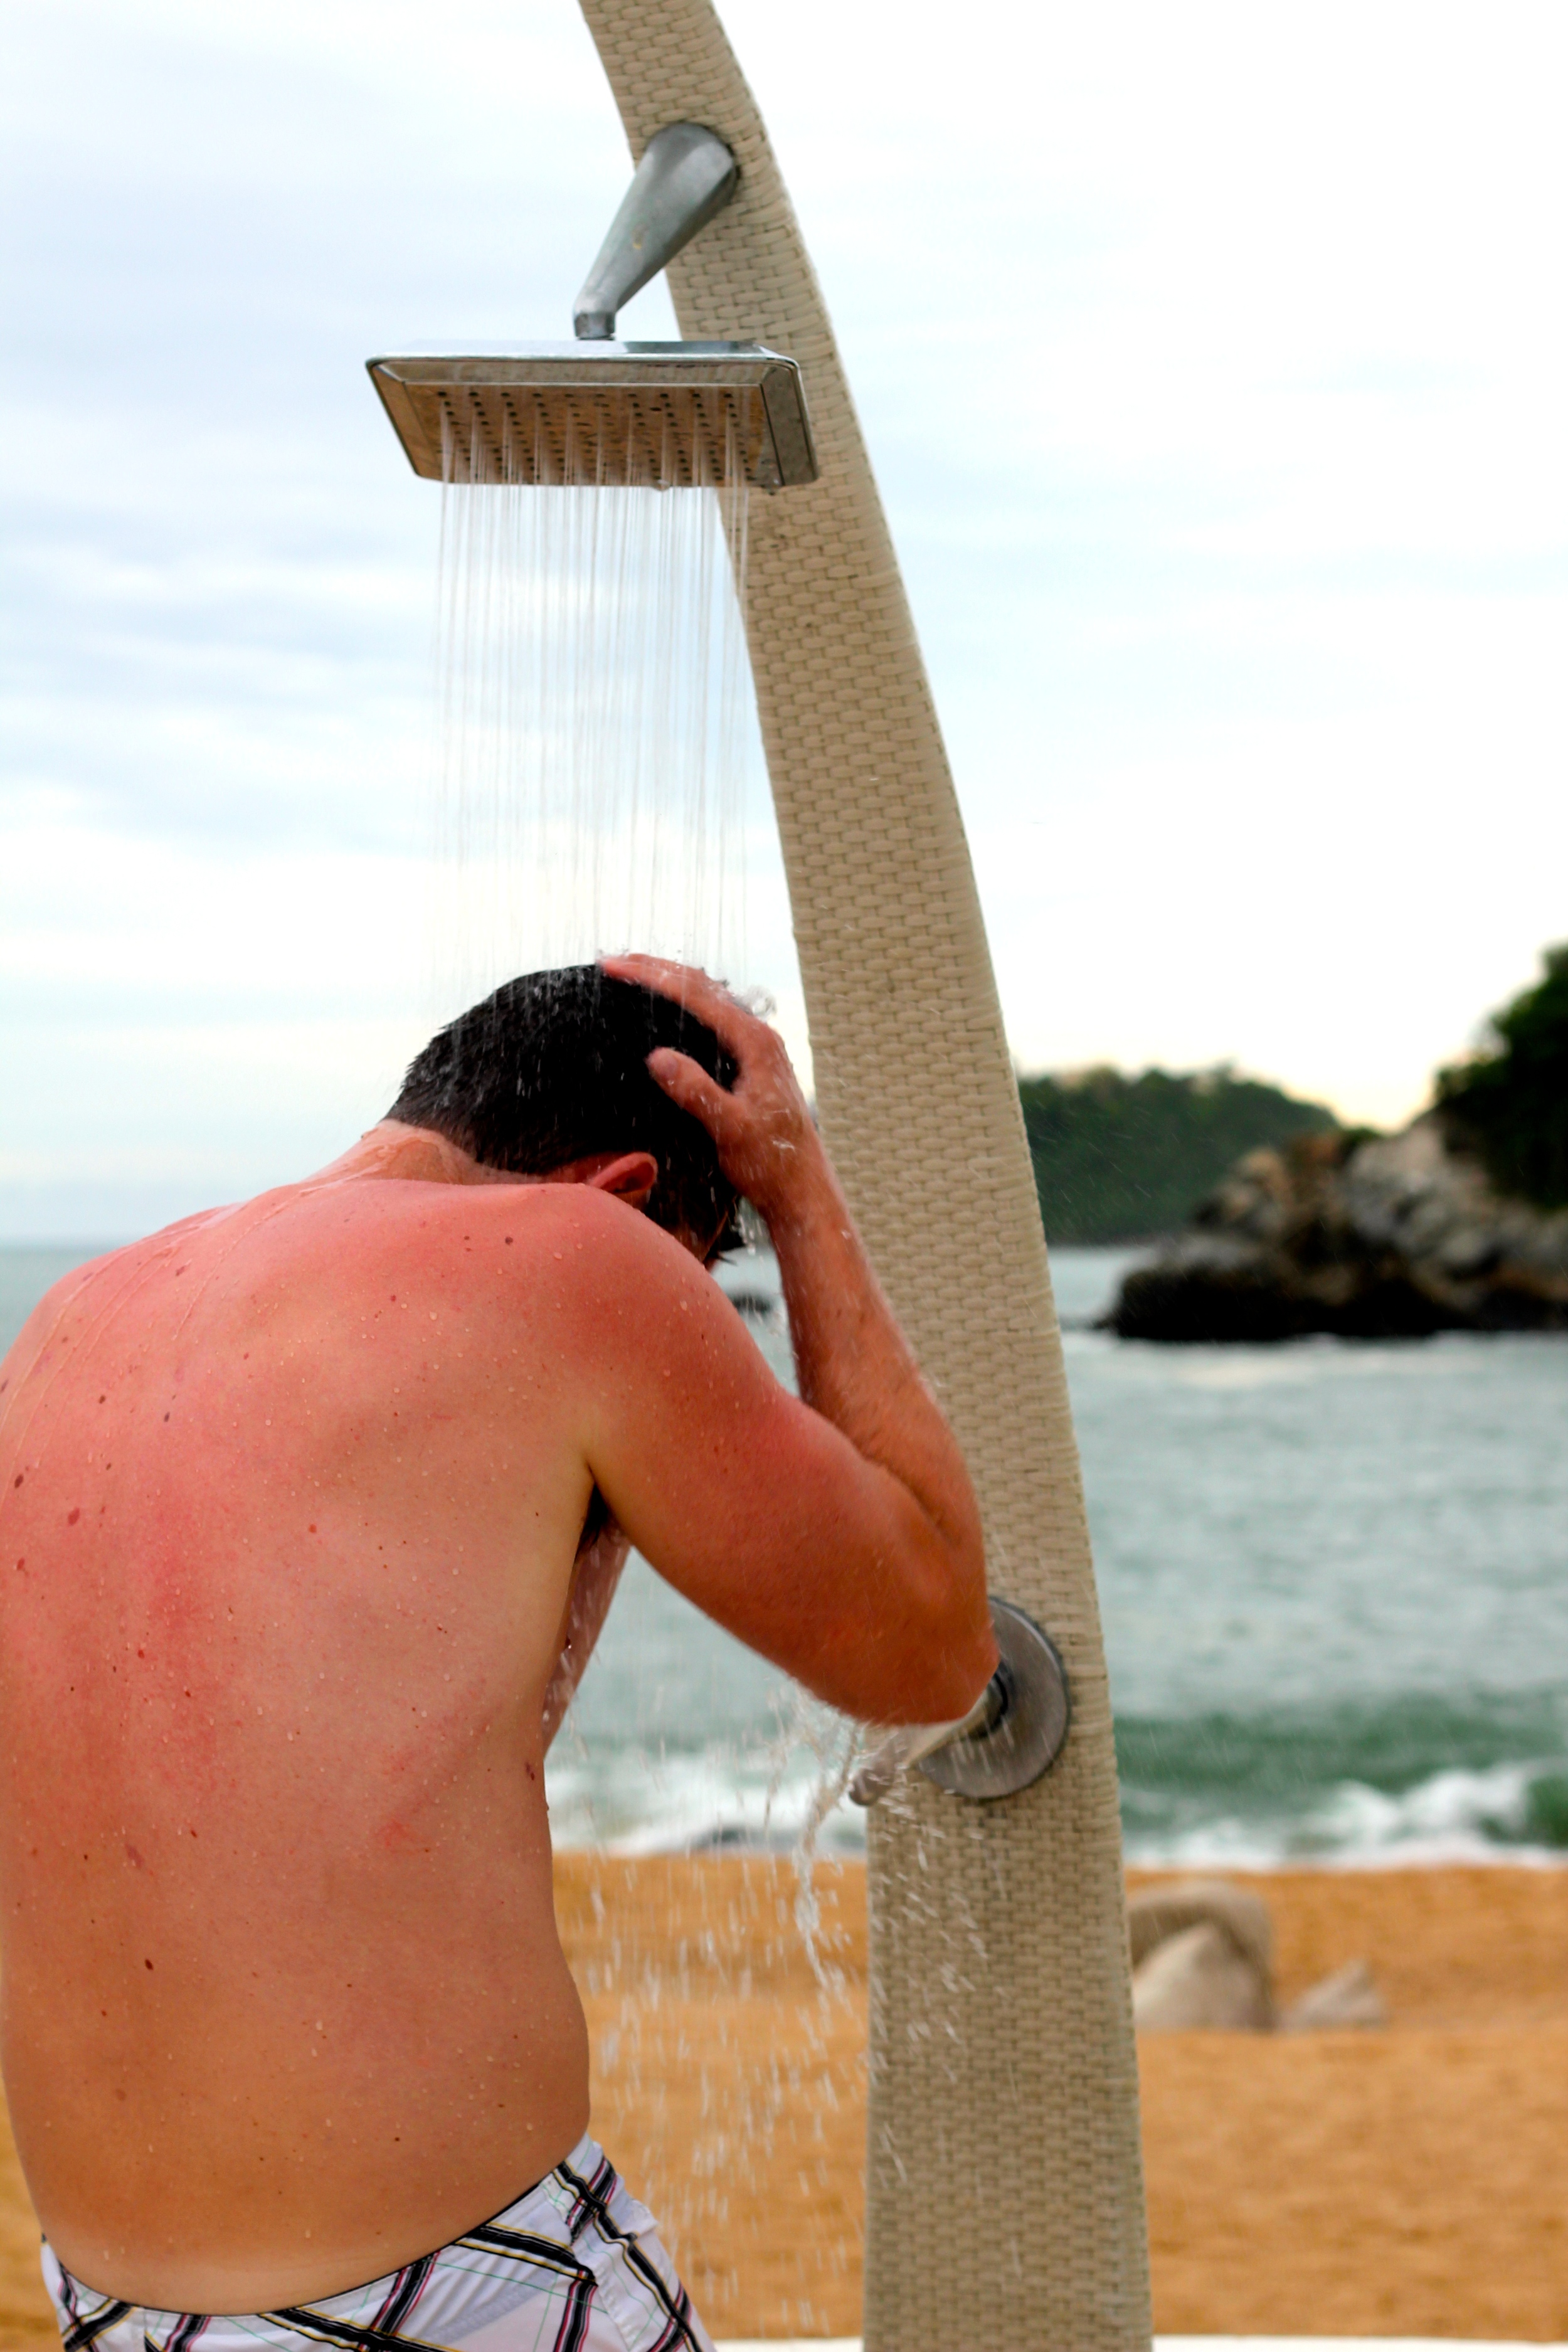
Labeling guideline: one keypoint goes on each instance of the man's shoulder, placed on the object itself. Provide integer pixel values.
(76, 1299)
(563, 1271)
(525, 1217)
(495, 1237)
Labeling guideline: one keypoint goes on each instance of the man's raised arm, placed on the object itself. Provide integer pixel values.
(861, 1565)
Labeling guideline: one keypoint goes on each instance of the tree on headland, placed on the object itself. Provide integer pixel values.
(1508, 1103)
(1122, 1159)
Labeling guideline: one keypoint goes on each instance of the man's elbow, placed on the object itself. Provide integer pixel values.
(950, 1651)
(954, 1675)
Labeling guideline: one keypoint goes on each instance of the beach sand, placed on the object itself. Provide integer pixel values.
(1408, 2182)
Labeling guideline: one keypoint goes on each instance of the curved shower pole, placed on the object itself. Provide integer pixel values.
(1004, 2204)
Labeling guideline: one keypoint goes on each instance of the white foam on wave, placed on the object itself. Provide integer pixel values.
(1454, 1817)
(636, 1804)
(631, 1802)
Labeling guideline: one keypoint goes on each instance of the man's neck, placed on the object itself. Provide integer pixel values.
(417, 1155)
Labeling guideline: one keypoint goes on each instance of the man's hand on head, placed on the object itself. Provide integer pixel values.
(761, 1126)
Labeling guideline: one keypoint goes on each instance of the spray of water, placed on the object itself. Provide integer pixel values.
(598, 758)
(600, 786)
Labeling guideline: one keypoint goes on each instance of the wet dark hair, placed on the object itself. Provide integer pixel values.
(555, 1066)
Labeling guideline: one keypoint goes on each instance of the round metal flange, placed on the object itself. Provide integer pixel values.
(1029, 1728)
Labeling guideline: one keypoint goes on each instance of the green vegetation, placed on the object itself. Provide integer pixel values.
(1510, 1104)
(1119, 1159)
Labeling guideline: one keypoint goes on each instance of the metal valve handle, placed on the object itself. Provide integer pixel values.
(1014, 1732)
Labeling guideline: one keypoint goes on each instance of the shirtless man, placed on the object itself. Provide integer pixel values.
(310, 1511)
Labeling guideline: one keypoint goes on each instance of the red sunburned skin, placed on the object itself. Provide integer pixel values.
(302, 1493)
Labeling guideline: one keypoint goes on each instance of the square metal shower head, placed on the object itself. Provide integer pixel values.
(670, 416)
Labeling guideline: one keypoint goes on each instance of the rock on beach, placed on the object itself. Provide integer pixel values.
(1203, 1962)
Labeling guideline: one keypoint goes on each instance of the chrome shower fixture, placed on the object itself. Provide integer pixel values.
(672, 415)
(1008, 1740)
(687, 175)
(602, 413)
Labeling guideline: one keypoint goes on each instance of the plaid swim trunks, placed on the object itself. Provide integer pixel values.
(575, 2266)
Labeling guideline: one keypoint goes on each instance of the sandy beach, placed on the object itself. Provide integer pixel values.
(1408, 2182)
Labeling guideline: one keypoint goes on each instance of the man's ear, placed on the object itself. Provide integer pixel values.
(631, 1178)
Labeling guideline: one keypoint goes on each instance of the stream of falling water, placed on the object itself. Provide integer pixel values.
(600, 786)
(599, 772)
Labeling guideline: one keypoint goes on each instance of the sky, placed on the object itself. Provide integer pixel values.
(1214, 363)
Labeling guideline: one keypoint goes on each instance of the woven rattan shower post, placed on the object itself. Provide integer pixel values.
(1005, 2208)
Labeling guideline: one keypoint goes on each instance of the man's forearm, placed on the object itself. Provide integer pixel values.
(853, 1364)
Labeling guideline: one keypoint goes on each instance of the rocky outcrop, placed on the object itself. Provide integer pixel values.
(1382, 1238)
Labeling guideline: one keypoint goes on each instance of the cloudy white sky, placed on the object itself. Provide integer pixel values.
(1215, 365)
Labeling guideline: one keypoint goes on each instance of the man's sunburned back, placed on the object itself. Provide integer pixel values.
(283, 1998)
(293, 1577)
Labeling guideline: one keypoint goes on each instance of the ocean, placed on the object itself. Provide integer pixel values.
(1334, 1580)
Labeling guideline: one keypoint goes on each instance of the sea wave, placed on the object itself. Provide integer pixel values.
(1512, 1813)
(1419, 1780)
(1416, 1777)
(1509, 1813)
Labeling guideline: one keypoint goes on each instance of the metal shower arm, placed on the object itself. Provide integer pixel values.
(686, 175)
